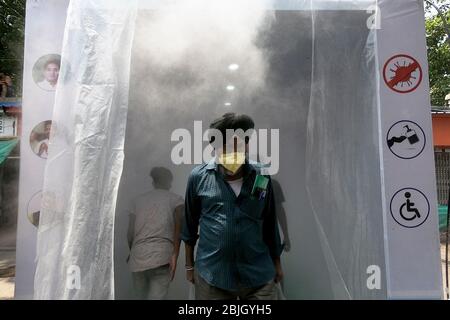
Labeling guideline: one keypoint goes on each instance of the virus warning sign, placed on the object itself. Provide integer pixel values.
(402, 73)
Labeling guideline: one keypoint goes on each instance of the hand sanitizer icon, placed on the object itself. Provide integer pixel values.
(412, 136)
(406, 139)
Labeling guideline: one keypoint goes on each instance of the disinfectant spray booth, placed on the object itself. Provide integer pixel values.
(338, 91)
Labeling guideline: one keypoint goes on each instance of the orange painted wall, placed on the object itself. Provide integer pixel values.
(441, 130)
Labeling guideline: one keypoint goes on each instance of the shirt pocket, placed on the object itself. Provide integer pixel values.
(253, 208)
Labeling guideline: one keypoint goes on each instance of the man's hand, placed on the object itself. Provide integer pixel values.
(278, 271)
(173, 265)
(190, 276)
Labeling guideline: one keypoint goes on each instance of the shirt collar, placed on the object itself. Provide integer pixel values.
(211, 165)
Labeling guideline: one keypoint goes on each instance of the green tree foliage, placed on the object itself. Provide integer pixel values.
(438, 43)
(12, 27)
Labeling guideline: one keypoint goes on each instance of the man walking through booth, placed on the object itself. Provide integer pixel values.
(232, 203)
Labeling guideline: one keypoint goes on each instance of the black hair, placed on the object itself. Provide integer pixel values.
(53, 61)
(232, 121)
(159, 174)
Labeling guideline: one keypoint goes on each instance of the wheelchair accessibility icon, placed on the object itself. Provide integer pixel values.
(410, 207)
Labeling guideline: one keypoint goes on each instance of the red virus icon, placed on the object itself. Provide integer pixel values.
(402, 73)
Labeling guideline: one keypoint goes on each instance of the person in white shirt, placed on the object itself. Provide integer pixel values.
(42, 148)
(154, 237)
(40, 140)
(51, 75)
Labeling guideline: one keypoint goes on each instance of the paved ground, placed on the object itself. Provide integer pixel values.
(7, 288)
(8, 263)
(7, 273)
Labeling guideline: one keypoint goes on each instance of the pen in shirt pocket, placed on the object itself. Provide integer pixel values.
(259, 189)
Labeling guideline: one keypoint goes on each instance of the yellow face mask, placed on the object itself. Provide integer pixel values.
(232, 161)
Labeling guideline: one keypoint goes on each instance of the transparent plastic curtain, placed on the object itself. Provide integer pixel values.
(75, 237)
(343, 158)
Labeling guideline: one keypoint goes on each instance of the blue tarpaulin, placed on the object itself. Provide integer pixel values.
(8, 103)
(443, 217)
(6, 147)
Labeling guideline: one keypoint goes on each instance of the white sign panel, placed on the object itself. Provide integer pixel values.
(45, 22)
(411, 220)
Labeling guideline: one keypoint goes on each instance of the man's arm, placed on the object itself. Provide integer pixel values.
(282, 219)
(178, 215)
(189, 262)
(130, 233)
(190, 227)
(271, 235)
(178, 225)
(131, 210)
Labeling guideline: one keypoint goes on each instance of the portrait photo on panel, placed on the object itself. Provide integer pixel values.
(39, 138)
(46, 71)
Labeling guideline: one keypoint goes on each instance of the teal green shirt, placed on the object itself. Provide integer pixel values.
(238, 237)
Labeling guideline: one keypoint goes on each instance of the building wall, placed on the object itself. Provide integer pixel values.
(441, 130)
(441, 137)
